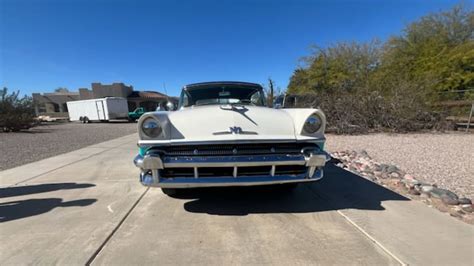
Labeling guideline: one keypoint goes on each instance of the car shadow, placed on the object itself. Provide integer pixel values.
(19, 209)
(40, 188)
(34, 131)
(14, 210)
(338, 190)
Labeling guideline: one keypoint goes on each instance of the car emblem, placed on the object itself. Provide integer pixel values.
(235, 130)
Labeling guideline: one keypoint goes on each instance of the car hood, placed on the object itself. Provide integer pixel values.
(227, 122)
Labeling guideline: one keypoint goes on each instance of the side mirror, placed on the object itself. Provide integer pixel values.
(170, 106)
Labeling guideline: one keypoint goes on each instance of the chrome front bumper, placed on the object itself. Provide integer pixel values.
(151, 164)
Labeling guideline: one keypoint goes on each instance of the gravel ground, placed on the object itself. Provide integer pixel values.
(49, 140)
(445, 159)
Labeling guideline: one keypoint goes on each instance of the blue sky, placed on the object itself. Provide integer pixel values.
(48, 44)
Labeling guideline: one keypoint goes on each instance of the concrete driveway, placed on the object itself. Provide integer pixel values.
(87, 207)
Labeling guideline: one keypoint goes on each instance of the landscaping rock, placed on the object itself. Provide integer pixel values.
(448, 200)
(389, 175)
(364, 153)
(395, 175)
(413, 191)
(392, 169)
(467, 208)
(464, 201)
(438, 193)
(368, 172)
(417, 187)
(455, 214)
(411, 182)
(383, 168)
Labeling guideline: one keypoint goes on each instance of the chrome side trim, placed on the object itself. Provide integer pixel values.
(138, 161)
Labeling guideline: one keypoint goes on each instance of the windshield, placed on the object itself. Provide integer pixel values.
(224, 94)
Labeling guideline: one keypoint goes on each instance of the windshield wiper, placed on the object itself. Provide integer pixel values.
(204, 104)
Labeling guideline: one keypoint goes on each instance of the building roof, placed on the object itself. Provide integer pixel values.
(148, 95)
(55, 98)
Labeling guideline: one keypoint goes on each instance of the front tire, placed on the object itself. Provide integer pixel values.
(169, 191)
(289, 187)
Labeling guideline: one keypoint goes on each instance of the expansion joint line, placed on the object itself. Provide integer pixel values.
(102, 246)
(372, 239)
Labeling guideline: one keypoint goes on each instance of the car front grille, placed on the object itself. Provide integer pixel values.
(287, 151)
(233, 149)
(280, 170)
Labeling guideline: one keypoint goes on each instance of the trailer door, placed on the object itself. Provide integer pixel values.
(100, 110)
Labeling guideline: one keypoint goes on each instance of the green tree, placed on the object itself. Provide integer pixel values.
(61, 89)
(15, 113)
(437, 49)
(345, 66)
(271, 92)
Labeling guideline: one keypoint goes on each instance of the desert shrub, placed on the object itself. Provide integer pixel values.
(15, 113)
(362, 111)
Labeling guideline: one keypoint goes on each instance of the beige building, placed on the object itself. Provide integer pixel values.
(54, 104)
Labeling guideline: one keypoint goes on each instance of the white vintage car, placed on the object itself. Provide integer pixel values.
(223, 134)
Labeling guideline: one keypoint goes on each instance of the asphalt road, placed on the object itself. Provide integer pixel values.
(87, 206)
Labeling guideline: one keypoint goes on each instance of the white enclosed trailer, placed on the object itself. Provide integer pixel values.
(103, 109)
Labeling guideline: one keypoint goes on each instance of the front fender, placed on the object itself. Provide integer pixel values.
(299, 116)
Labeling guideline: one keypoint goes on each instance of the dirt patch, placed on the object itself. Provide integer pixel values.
(48, 140)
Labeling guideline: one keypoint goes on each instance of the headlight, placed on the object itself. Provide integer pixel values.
(312, 124)
(151, 128)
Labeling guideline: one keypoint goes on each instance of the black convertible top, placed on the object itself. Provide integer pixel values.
(221, 83)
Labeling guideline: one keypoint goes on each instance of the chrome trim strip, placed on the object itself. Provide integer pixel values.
(231, 161)
(196, 172)
(147, 180)
(235, 141)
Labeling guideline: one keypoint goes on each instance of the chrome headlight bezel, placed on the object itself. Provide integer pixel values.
(312, 124)
(151, 128)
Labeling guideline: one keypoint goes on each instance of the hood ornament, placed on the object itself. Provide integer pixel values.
(239, 108)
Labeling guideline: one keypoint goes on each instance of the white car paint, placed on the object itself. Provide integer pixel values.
(214, 123)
